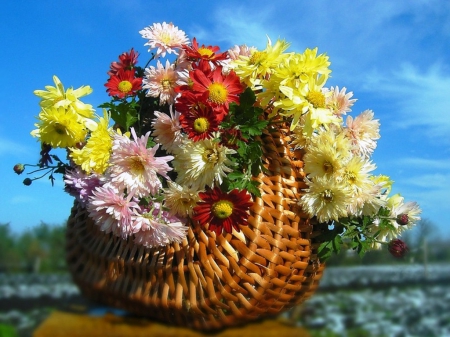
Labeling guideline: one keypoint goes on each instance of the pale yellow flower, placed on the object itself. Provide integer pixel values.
(57, 97)
(326, 199)
(180, 200)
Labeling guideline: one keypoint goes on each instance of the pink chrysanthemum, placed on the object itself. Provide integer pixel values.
(158, 228)
(167, 130)
(363, 131)
(134, 167)
(166, 37)
(80, 185)
(339, 102)
(161, 82)
(112, 210)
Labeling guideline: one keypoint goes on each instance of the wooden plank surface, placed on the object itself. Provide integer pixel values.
(70, 324)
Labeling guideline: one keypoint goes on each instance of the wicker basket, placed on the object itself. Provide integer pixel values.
(210, 282)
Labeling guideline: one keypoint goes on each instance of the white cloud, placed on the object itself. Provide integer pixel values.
(421, 98)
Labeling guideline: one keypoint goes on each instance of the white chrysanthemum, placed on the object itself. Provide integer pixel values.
(167, 130)
(180, 200)
(356, 175)
(161, 82)
(166, 37)
(322, 160)
(326, 199)
(202, 163)
(363, 131)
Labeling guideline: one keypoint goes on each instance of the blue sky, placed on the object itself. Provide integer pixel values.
(393, 55)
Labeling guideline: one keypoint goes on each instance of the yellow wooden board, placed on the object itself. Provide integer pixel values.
(68, 324)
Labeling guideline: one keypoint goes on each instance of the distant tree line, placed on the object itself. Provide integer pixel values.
(39, 249)
(42, 249)
(425, 246)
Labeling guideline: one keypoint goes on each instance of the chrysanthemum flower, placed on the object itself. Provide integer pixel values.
(223, 211)
(339, 102)
(80, 185)
(356, 175)
(205, 53)
(157, 228)
(323, 160)
(260, 63)
(123, 84)
(166, 37)
(296, 69)
(202, 163)
(180, 200)
(59, 127)
(161, 82)
(218, 90)
(325, 198)
(112, 210)
(167, 130)
(199, 123)
(94, 155)
(127, 61)
(363, 131)
(134, 167)
(57, 97)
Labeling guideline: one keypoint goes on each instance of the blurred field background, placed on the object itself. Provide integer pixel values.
(377, 295)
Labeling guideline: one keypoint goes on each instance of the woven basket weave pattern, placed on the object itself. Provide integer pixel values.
(208, 282)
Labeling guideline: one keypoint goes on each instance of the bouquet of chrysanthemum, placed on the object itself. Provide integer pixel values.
(179, 143)
(214, 182)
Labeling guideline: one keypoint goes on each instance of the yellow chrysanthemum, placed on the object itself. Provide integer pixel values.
(296, 70)
(57, 97)
(95, 154)
(59, 127)
(260, 63)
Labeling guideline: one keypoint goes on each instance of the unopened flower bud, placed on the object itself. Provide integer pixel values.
(402, 219)
(398, 248)
(19, 168)
(27, 181)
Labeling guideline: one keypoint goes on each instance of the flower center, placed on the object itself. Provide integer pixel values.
(257, 57)
(350, 177)
(205, 51)
(328, 167)
(316, 98)
(210, 156)
(165, 37)
(222, 209)
(217, 93)
(201, 125)
(166, 84)
(60, 129)
(327, 195)
(137, 165)
(124, 86)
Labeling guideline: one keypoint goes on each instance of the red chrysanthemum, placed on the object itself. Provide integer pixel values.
(127, 61)
(223, 211)
(123, 84)
(207, 53)
(199, 123)
(217, 90)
